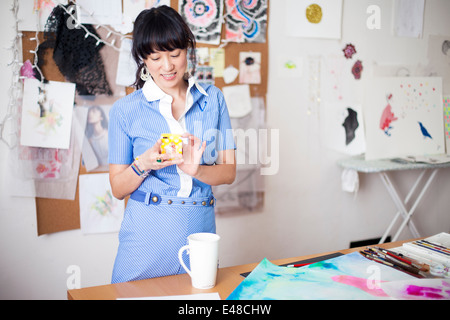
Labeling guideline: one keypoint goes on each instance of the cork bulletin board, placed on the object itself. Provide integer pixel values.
(55, 215)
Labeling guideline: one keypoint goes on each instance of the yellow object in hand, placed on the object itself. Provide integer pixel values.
(171, 143)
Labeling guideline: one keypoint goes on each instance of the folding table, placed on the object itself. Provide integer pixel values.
(383, 167)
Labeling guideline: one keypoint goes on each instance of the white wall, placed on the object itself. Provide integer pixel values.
(305, 209)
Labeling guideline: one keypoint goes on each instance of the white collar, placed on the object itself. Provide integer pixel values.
(152, 92)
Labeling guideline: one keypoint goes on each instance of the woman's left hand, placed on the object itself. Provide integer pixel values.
(192, 154)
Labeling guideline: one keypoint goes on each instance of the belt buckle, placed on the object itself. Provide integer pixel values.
(212, 201)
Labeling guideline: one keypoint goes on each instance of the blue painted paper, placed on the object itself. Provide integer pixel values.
(349, 276)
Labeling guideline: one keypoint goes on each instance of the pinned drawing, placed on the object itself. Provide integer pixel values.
(314, 19)
(246, 20)
(409, 123)
(132, 8)
(250, 67)
(100, 212)
(204, 18)
(47, 114)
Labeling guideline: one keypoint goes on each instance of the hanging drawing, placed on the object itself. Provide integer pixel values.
(47, 114)
(100, 212)
(204, 17)
(341, 107)
(250, 67)
(314, 19)
(246, 20)
(404, 117)
(205, 74)
(132, 8)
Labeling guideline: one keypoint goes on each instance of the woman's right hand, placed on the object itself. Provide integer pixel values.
(124, 180)
(149, 159)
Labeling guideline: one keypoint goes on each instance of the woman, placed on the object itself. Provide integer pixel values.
(97, 133)
(170, 194)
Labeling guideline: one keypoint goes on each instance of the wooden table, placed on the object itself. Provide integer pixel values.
(227, 280)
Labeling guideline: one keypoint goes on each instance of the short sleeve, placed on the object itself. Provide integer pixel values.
(120, 148)
(224, 126)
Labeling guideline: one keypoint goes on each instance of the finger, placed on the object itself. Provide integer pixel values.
(157, 146)
(170, 162)
(203, 146)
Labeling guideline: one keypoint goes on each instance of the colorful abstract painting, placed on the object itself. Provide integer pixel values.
(100, 212)
(447, 122)
(418, 289)
(345, 277)
(204, 17)
(403, 117)
(246, 20)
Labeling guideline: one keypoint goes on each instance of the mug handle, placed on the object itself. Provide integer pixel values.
(180, 253)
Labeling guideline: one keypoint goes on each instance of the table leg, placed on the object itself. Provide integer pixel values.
(408, 217)
(399, 204)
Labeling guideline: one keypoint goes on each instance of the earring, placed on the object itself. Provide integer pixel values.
(145, 75)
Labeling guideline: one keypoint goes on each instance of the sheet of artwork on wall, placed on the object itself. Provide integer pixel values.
(314, 19)
(403, 117)
(204, 17)
(47, 114)
(100, 212)
(246, 21)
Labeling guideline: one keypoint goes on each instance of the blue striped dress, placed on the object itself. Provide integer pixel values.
(169, 205)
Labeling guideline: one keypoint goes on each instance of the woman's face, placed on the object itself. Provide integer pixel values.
(94, 116)
(167, 68)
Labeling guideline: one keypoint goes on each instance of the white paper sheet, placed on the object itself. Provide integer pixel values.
(47, 124)
(250, 67)
(409, 18)
(314, 19)
(126, 67)
(106, 12)
(132, 8)
(238, 100)
(33, 14)
(403, 117)
(100, 212)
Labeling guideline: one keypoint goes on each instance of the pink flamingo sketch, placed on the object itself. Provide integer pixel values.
(387, 117)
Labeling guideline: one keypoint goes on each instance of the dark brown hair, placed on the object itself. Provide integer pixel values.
(160, 29)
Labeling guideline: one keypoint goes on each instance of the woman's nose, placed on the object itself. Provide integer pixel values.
(167, 64)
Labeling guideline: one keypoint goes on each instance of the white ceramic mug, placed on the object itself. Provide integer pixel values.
(203, 257)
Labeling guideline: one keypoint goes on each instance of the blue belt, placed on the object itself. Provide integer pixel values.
(156, 199)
